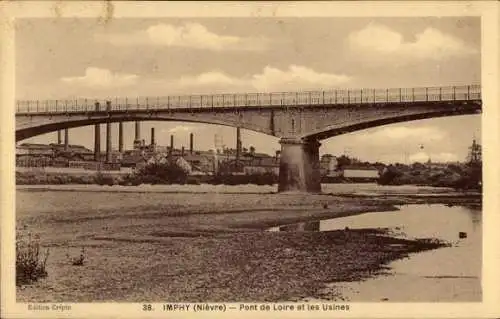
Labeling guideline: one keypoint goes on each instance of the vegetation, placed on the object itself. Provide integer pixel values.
(459, 176)
(149, 174)
(30, 263)
(77, 261)
(168, 173)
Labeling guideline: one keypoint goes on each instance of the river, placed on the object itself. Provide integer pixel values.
(442, 275)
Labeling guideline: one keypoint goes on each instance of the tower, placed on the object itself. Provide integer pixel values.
(474, 156)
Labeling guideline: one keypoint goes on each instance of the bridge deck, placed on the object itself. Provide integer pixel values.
(312, 98)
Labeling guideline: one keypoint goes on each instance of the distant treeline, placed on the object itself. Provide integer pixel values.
(458, 176)
(150, 174)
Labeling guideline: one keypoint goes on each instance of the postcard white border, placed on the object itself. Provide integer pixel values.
(488, 11)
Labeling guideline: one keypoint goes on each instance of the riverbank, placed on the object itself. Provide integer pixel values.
(208, 247)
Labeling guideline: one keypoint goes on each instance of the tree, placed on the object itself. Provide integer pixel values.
(389, 176)
(252, 150)
(343, 161)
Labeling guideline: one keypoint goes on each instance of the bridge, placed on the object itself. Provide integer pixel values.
(300, 119)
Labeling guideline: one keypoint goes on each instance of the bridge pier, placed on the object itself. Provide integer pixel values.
(299, 166)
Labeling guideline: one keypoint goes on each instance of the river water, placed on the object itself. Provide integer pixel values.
(442, 275)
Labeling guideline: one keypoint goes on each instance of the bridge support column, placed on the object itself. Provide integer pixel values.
(299, 166)
(59, 138)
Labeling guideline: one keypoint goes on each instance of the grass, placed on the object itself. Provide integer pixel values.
(30, 262)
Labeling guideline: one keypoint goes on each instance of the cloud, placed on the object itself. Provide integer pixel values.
(403, 133)
(296, 77)
(189, 35)
(102, 78)
(429, 44)
(181, 128)
(270, 79)
(210, 78)
(434, 157)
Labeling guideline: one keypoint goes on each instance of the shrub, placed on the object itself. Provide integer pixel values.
(390, 176)
(30, 264)
(77, 261)
(162, 174)
(104, 179)
(193, 180)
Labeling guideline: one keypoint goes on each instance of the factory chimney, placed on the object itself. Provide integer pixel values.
(238, 146)
(171, 143)
(137, 139)
(191, 143)
(152, 136)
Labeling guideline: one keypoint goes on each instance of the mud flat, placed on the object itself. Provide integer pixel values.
(180, 247)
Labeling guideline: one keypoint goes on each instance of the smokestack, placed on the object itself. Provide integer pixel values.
(238, 145)
(152, 136)
(108, 135)
(66, 139)
(59, 139)
(182, 151)
(97, 137)
(137, 131)
(191, 143)
(120, 137)
(171, 143)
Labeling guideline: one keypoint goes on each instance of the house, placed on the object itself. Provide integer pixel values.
(360, 173)
(262, 165)
(34, 149)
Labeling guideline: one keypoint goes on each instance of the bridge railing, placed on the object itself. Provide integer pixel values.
(331, 97)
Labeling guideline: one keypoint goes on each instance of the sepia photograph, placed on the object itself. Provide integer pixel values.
(280, 160)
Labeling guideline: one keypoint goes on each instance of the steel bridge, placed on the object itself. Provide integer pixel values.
(299, 119)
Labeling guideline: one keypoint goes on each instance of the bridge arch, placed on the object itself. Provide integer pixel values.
(42, 127)
(362, 124)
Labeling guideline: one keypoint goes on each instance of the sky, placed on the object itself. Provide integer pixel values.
(82, 57)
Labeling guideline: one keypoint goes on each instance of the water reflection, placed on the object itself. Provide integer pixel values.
(411, 221)
(306, 226)
(445, 274)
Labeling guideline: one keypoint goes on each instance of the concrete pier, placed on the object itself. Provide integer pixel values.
(97, 137)
(299, 166)
(120, 137)
(108, 135)
(59, 138)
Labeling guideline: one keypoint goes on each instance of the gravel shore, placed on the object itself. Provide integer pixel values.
(159, 247)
